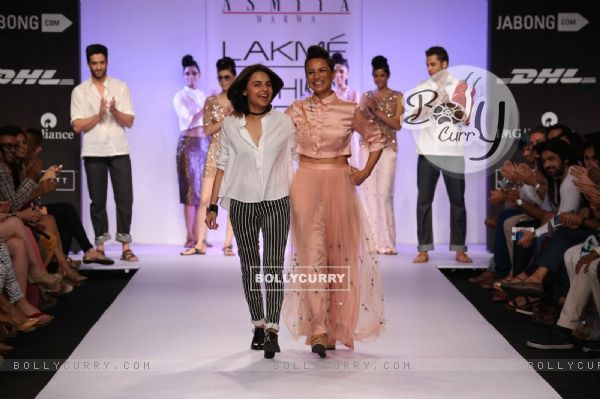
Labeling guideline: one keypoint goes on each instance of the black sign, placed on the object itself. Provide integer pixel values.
(39, 67)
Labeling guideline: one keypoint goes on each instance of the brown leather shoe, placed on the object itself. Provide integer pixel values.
(524, 288)
(422, 257)
(482, 277)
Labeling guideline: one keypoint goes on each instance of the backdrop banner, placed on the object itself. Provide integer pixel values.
(277, 34)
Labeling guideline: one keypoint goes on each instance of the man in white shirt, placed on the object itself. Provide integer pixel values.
(432, 153)
(101, 109)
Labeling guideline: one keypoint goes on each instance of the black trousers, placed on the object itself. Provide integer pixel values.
(69, 226)
(97, 170)
(247, 220)
(427, 178)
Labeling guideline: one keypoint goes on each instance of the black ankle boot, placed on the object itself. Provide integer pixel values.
(258, 340)
(271, 344)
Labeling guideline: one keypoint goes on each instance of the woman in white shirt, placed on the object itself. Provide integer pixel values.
(192, 148)
(254, 174)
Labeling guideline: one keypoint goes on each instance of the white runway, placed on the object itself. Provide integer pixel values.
(185, 320)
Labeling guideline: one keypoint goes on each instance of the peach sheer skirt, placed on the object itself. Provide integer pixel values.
(329, 237)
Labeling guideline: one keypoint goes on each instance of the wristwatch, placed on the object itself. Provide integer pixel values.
(213, 208)
(519, 202)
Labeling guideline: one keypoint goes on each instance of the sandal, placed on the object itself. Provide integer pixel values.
(422, 257)
(228, 251)
(497, 285)
(129, 256)
(462, 257)
(526, 308)
(73, 264)
(101, 259)
(189, 243)
(192, 251)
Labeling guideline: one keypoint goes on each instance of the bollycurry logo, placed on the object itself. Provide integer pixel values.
(300, 278)
(464, 119)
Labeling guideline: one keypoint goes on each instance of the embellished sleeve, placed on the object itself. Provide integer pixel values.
(210, 111)
(369, 131)
(224, 147)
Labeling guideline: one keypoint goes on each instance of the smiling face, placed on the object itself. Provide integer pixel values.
(259, 91)
(380, 78)
(98, 66)
(319, 77)
(191, 74)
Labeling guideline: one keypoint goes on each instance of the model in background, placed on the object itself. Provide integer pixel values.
(101, 110)
(430, 149)
(341, 71)
(216, 108)
(191, 148)
(383, 105)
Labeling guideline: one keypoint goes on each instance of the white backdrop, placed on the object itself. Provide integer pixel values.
(146, 41)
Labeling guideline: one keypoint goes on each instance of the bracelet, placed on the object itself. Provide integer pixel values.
(213, 208)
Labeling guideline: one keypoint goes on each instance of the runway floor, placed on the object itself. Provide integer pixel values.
(181, 329)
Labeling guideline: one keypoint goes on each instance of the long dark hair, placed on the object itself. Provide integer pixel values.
(235, 94)
(564, 152)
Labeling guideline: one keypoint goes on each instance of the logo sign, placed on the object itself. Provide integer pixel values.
(49, 23)
(523, 76)
(549, 118)
(65, 181)
(48, 121)
(43, 77)
(563, 22)
(286, 11)
(463, 119)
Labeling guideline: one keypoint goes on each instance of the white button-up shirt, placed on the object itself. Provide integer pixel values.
(107, 138)
(256, 173)
(187, 103)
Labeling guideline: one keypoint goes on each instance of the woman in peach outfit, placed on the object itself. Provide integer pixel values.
(328, 228)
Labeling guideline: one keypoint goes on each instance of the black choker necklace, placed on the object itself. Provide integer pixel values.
(259, 113)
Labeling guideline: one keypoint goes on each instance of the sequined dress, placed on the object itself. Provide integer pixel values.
(214, 112)
(191, 150)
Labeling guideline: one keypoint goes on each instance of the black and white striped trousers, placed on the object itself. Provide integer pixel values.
(248, 219)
